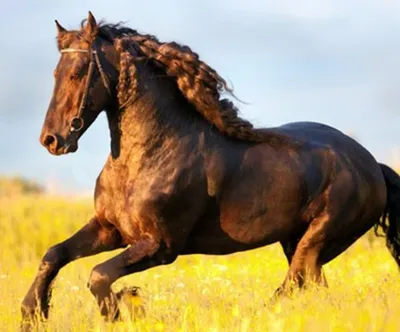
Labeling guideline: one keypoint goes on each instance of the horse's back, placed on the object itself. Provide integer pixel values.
(316, 135)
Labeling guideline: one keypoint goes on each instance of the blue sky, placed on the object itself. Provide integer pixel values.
(336, 62)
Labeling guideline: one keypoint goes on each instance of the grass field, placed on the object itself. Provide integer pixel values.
(196, 293)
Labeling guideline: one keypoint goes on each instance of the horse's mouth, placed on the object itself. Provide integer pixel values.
(70, 148)
(64, 149)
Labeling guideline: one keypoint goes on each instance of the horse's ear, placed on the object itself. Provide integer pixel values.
(60, 29)
(91, 27)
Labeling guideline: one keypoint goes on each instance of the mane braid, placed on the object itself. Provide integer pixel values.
(200, 84)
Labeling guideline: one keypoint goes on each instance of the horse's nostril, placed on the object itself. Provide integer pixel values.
(49, 140)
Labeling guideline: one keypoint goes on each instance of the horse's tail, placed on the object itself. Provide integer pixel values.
(390, 222)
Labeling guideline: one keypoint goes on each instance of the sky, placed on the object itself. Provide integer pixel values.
(335, 61)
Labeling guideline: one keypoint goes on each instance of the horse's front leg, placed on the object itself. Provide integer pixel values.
(142, 255)
(92, 239)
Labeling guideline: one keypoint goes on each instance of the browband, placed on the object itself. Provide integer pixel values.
(75, 50)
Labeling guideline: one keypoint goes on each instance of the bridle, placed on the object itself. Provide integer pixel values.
(77, 122)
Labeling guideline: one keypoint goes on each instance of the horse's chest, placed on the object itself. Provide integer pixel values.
(125, 201)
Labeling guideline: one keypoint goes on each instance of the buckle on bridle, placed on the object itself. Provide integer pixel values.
(76, 124)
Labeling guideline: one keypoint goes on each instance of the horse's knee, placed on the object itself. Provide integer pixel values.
(99, 278)
(56, 256)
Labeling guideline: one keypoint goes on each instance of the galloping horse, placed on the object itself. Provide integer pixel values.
(187, 175)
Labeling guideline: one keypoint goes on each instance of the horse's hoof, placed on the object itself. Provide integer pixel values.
(273, 300)
(28, 325)
(130, 297)
(31, 318)
(280, 294)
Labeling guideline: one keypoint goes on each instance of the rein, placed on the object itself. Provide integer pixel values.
(77, 122)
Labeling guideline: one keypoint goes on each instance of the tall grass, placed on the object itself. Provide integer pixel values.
(196, 293)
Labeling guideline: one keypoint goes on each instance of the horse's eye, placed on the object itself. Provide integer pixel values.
(74, 76)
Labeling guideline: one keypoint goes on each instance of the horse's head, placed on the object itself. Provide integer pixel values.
(85, 79)
(109, 67)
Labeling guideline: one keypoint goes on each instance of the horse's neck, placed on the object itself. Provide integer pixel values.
(151, 125)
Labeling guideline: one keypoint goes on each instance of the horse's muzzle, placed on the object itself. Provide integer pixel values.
(57, 145)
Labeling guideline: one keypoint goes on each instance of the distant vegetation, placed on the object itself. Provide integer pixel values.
(17, 185)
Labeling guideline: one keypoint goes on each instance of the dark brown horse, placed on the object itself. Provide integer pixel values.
(187, 175)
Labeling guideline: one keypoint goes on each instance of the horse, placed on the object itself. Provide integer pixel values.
(187, 175)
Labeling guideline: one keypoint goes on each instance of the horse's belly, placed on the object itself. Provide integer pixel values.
(263, 198)
(261, 212)
(246, 227)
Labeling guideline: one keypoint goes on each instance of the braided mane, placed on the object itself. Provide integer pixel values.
(201, 85)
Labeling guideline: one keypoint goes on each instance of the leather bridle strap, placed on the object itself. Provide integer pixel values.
(77, 122)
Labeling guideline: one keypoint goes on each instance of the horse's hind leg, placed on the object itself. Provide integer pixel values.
(92, 239)
(330, 232)
(304, 264)
(323, 241)
(289, 247)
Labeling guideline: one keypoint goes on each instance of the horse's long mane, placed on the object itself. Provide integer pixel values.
(200, 84)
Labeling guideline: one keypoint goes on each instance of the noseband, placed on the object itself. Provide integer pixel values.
(77, 122)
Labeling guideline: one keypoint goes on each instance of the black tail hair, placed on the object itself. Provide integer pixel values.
(390, 222)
